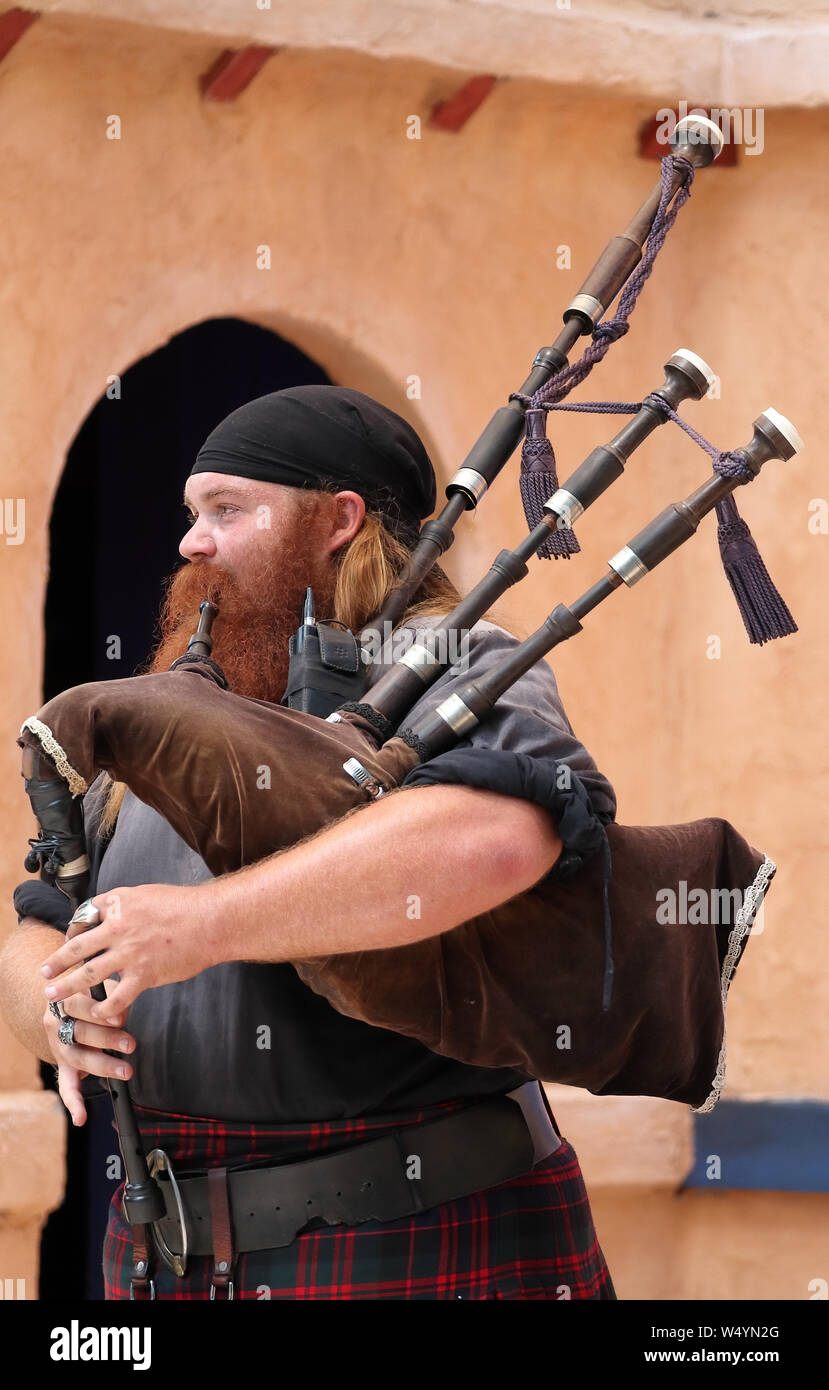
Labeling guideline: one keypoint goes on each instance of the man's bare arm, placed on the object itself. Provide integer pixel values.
(414, 864)
(21, 984)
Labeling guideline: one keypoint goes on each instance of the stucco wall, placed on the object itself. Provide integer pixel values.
(435, 258)
(745, 51)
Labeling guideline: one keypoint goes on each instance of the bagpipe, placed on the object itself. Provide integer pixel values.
(579, 980)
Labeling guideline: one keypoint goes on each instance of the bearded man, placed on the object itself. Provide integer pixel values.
(237, 1070)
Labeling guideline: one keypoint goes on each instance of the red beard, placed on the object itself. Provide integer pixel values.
(258, 612)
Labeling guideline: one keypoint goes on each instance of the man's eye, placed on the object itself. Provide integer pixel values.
(223, 507)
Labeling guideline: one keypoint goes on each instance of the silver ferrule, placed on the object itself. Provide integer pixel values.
(356, 771)
(420, 660)
(566, 507)
(469, 480)
(456, 714)
(586, 304)
(628, 566)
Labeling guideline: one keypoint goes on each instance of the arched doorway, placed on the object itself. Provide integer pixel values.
(115, 528)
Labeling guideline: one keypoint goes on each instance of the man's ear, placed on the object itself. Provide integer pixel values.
(346, 519)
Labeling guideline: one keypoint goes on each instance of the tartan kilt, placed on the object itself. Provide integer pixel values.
(531, 1237)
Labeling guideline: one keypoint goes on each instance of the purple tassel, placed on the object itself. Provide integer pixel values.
(538, 482)
(763, 611)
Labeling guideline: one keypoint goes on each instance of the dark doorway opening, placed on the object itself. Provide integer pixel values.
(115, 529)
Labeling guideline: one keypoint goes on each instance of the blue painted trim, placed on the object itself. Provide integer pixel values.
(765, 1145)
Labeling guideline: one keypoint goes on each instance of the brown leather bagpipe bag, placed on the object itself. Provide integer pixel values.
(519, 987)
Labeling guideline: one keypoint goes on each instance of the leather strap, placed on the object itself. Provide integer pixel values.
(406, 1171)
(222, 1233)
(141, 1285)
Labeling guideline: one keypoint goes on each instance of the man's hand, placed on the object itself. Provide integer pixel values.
(156, 934)
(86, 1056)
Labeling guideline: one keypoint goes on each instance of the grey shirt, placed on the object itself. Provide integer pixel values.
(250, 1042)
(529, 718)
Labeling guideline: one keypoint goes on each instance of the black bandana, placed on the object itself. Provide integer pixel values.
(306, 435)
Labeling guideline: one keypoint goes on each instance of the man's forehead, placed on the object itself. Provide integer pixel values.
(205, 486)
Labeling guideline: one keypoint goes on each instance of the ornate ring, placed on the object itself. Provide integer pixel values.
(87, 913)
(57, 1009)
(66, 1032)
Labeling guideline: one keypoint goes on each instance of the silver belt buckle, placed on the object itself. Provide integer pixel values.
(531, 1101)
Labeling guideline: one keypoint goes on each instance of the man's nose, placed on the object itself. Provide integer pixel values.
(197, 541)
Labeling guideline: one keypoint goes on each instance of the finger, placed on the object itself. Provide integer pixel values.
(91, 1061)
(100, 1035)
(124, 994)
(71, 952)
(104, 900)
(69, 1090)
(81, 1005)
(83, 977)
(88, 1035)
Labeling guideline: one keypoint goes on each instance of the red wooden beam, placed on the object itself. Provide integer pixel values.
(233, 71)
(13, 25)
(652, 148)
(453, 113)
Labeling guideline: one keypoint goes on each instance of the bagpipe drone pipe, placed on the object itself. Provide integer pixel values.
(642, 1002)
(326, 669)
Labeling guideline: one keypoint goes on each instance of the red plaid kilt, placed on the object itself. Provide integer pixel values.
(530, 1238)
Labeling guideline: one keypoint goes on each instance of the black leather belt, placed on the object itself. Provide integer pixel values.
(406, 1171)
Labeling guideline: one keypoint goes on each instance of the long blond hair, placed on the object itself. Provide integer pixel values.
(369, 568)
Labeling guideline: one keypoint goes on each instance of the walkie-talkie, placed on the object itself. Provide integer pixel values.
(326, 667)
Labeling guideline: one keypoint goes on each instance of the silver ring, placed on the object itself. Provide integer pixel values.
(66, 1032)
(87, 913)
(57, 1009)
